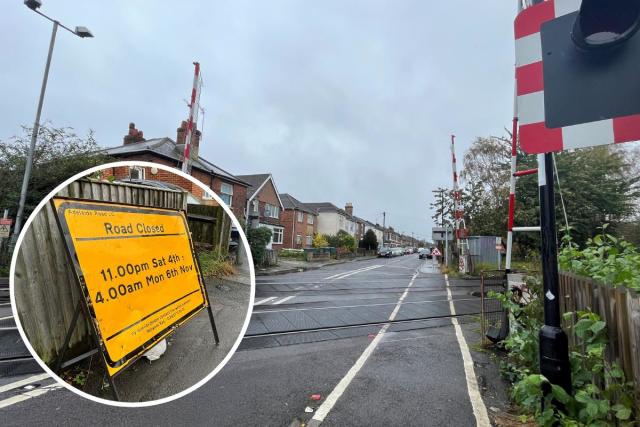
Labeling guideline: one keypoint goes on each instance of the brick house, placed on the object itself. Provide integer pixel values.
(231, 189)
(300, 223)
(264, 206)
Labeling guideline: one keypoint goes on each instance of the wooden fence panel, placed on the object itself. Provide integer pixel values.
(45, 287)
(619, 307)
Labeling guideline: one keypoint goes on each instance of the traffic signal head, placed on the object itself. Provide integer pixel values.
(602, 24)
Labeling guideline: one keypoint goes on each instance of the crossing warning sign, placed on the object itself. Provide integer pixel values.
(5, 227)
(435, 252)
(136, 271)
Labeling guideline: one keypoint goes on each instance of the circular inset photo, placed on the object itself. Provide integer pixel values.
(132, 283)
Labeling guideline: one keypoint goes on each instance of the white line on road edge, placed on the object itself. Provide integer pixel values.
(262, 301)
(29, 394)
(335, 394)
(5, 318)
(283, 300)
(479, 410)
(23, 382)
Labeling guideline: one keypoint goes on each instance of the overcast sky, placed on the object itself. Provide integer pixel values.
(342, 101)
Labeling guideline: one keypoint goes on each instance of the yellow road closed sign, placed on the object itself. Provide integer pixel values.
(136, 270)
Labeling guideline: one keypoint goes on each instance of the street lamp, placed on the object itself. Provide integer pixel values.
(82, 32)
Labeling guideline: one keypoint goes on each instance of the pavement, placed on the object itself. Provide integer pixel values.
(376, 340)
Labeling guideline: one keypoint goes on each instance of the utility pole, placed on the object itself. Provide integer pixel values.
(384, 218)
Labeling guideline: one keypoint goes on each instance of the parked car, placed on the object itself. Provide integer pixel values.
(384, 252)
(397, 252)
(424, 253)
(408, 251)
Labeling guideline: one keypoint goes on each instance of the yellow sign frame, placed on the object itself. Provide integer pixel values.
(137, 272)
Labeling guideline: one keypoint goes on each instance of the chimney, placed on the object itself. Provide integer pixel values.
(349, 208)
(181, 140)
(134, 135)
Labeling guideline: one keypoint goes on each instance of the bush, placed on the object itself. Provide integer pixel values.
(602, 396)
(604, 258)
(292, 253)
(258, 239)
(370, 241)
(342, 240)
(320, 241)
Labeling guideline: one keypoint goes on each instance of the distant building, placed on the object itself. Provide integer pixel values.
(300, 223)
(332, 219)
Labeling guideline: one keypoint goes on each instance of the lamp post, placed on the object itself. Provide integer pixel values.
(82, 32)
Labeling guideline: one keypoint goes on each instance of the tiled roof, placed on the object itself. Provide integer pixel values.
(255, 181)
(166, 147)
(290, 202)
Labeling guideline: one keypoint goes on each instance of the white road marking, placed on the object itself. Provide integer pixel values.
(5, 318)
(5, 303)
(358, 305)
(29, 394)
(283, 300)
(351, 273)
(479, 410)
(335, 394)
(264, 301)
(25, 381)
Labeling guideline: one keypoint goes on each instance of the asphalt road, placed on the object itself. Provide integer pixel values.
(324, 332)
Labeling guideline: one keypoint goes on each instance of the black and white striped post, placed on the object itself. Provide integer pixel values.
(554, 347)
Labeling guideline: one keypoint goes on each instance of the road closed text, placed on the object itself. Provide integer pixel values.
(140, 228)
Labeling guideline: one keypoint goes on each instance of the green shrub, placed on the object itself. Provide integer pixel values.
(258, 239)
(604, 258)
(292, 253)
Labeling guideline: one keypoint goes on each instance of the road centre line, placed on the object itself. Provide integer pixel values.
(264, 301)
(359, 305)
(337, 392)
(477, 404)
(23, 382)
(283, 300)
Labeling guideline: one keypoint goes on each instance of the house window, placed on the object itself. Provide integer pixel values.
(136, 172)
(309, 240)
(300, 216)
(271, 211)
(226, 193)
(277, 235)
(298, 239)
(309, 219)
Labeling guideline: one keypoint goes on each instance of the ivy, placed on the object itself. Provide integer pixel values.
(601, 394)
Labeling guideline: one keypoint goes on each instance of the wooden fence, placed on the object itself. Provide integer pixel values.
(210, 227)
(45, 289)
(619, 308)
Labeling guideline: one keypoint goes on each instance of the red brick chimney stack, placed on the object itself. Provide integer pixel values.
(134, 135)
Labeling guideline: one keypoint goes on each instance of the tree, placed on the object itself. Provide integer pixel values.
(370, 240)
(598, 186)
(319, 241)
(59, 154)
(258, 239)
